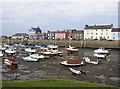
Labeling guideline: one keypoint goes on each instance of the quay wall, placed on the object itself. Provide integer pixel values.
(81, 43)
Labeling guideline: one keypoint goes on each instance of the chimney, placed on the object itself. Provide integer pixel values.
(86, 25)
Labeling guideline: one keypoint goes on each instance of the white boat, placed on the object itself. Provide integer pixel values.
(2, 48)
(92, 60)
(48, 53)
(10, 51)
(30, 50)
(30, 59)
(76, 70)
(37, 56)
(54, 49)
(1, 54)
(52, 46)
(102, 51)
(100, 55)
(71, 64)
(72, 49)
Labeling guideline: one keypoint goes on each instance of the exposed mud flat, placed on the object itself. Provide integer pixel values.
(106, 72)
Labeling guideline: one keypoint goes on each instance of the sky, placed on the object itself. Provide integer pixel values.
(18, 16)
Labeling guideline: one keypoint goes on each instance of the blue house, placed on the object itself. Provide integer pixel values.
(35, 33)
(116, 34)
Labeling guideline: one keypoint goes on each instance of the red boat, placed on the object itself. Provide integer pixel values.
(10, 63)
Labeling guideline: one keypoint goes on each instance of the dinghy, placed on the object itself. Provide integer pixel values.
(72, 49)
(29, 58)
(76, 70)
(37, 56)
(102, 51)
(92, 60)
(99, 55)
(1, 54)
(10, 51)
(30, 50)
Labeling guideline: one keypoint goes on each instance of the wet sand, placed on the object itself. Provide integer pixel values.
(104, 73)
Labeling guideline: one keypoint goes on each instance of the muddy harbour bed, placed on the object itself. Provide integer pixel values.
(104, 73)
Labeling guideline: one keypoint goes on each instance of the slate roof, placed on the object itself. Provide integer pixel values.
(36, 29)
(99, 27)
(116, 30)
(56, 31)
(20, 34)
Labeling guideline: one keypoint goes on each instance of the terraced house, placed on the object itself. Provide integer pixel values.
(98, 32)
(77, 34)
(61, 35)
(116, 34)
(35, 33)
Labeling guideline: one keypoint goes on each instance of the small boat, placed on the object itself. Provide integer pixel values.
(37, 56)
(76, 70)
(49, 53)
(1, 54)
(91, 59)
(30, 50)
(72, 49)
(44, 47)
(2, 48)
(52, 46)
(10, 61)
(11, 64)
(29, 58)
(102, 50)
(39, 45)
(72, 62)
(99, 55)
(54, 49)
(10, 51)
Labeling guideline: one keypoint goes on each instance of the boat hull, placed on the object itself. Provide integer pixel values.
(76, 71)
(30, 59)
(91, 62)
(67, 64)
(100, 55)
(10, 52)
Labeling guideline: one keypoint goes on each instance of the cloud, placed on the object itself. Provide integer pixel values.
(53, 15)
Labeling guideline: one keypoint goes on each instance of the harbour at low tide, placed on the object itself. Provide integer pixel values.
(106, 72)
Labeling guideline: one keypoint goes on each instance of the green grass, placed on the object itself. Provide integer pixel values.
(51, 83)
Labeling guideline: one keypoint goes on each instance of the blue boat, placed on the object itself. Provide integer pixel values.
(29, 58)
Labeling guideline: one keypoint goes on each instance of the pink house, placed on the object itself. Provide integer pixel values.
(58, 35)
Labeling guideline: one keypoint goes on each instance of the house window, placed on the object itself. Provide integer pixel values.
(106, 30)
(92, 33)
(108, 37)
(106, 33)
(113, 37)
(87, 33)
(102, 29)
(91, 37)
(96, 29)
(96, 33)
(101, 33)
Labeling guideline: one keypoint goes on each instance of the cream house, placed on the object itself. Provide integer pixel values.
(98, 32)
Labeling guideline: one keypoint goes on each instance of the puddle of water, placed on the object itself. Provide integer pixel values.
(115, 78)
(100, 77)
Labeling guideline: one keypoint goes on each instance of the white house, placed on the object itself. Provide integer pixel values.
(98, 32)
(116, 34)
(19, 36)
